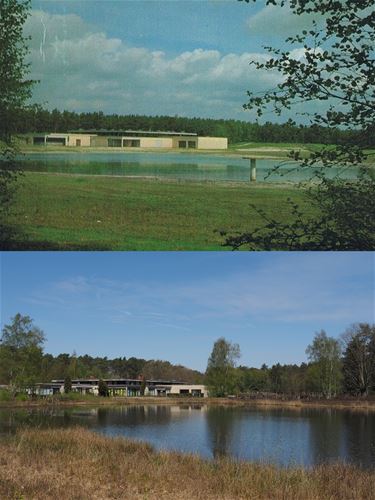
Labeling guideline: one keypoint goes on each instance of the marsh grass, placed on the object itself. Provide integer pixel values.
(79, 464)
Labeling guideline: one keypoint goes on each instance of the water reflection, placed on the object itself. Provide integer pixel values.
(359, 437)
(326, 434)
(281, 436)
(220, 423)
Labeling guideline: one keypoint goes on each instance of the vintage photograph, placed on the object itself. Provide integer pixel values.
(187, 125)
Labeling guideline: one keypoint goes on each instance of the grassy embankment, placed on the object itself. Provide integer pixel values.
(78, 212)
(76, 463)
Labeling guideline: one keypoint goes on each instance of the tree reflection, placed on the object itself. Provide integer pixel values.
(359, 436)
(326, 436)
(220, 424)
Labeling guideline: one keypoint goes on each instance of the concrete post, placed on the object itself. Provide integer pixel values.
(253, 170)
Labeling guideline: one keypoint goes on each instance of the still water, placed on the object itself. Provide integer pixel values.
(179, 166)
(280, 436)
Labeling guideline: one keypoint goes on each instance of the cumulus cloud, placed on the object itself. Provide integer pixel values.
(278, 21)
(82, 69)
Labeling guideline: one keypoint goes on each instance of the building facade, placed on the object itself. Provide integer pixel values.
(123, 387)
(126, 139)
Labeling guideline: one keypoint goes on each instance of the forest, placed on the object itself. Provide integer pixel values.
(37, 119)
(335, 366)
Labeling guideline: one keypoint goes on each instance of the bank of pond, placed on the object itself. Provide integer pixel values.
(76, 463)
(283, 437)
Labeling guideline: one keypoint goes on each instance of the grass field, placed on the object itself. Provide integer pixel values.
(78, 464)
(74, 212)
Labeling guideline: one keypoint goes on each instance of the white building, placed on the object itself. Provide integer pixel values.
(128, 139)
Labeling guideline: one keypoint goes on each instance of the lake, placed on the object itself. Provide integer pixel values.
(285, 437)
(178, 166)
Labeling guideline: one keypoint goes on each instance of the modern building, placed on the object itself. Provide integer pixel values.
(127, 139)
(123, 387)
(55, 139)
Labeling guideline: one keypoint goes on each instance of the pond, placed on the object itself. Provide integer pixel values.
(178, 166)
(285, 437)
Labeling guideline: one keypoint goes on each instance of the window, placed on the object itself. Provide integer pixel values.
(56, 140)
(131, 143)
(182, 144)
(114, 143)
(192, 144)
(38, 140)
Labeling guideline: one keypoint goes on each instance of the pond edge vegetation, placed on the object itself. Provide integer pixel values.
(51, 464)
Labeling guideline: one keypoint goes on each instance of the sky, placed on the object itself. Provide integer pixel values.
(170, 57)
(174, 305)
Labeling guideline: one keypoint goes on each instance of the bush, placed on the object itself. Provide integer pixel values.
(21, 396)
(5, 395)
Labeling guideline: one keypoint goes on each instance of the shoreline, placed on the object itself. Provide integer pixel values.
(352, 404)
(260, 153)
(171, 180)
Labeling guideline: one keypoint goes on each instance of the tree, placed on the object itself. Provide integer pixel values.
(253, 379)
(335, 67)
(359, 359)
(15, 90)
(21, 352)
(325, 353)
(221, 373)
(67, 385)
(103, 388)
(345, 220)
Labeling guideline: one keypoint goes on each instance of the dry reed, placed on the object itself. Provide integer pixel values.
(78, 464)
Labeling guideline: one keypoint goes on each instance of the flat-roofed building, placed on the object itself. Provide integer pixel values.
(143, 139)
(126, 387)
(194, 390)
(56, 139)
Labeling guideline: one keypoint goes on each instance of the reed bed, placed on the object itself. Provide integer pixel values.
(78, 464)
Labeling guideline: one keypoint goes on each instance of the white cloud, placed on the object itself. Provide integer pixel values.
(278, 21)
(83, 69)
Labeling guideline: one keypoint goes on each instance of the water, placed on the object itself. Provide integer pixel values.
(285, 437)
(180, 166)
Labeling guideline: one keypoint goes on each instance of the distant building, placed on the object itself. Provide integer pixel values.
(126, 139)
(124, 387)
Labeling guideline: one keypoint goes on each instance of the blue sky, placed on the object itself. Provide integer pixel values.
(181, 57)
(173, 305)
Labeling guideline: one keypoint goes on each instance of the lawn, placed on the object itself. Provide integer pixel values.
(81, 212)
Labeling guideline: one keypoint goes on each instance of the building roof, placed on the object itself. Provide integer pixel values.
(94, 380)
(150, 133)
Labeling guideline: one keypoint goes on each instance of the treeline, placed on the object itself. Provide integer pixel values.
(23, 362)
(72, 366)
(336, 367)
(36, 119)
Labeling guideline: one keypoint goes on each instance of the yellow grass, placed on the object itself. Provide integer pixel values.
(78, 464)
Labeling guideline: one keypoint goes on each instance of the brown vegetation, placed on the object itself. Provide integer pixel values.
(73, 399)
(77, 463)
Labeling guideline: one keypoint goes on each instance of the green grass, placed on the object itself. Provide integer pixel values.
(275, 148)
(73, 212)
